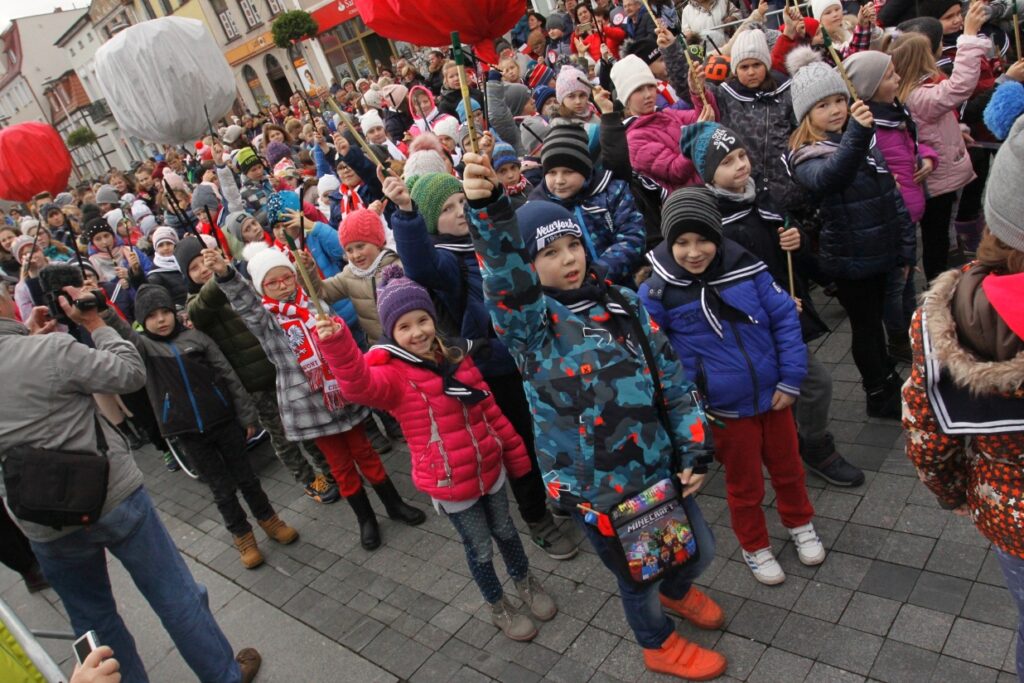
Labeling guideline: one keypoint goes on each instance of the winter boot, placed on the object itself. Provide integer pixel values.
(549, 538)
(249, 662)
(369, 532)
(679, 657)
(826, 462)
(34, 579)
(514, 625)
(397, 508)
(278, 531)
(884, 399)
(697, 608)
(250, 552)
(899, 347)
(536, 599)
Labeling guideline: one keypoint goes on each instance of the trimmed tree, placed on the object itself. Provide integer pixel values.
(80, 137)
(293, 26)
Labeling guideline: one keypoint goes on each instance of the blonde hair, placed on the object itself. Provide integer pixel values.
(450, 353)
(805, 134)
(913, 60)
(997, 256)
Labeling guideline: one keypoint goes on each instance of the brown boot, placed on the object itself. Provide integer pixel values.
(278, 530)
(249, 661)
(247, 548)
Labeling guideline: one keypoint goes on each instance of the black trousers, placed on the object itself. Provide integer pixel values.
(938, 211)
(138, 403)
(219, 456)
(15, 550)
(864, 302)
(974, 192)
(528, 490)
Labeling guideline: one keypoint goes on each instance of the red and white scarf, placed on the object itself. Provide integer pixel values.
(298, 323)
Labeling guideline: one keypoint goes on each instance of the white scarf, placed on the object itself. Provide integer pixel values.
(372, 269)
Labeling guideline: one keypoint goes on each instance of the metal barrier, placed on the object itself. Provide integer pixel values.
(767, 14)
(40, 666)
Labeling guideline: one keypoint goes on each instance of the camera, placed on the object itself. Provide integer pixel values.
(54, 278)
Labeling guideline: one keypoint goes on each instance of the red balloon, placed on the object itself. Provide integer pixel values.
(33, 159)
(430, 22)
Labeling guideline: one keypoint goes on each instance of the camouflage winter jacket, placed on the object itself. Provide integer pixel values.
(598, 434)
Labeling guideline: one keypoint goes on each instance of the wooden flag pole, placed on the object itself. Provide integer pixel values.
(467, 102)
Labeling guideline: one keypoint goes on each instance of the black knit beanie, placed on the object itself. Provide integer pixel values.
(691, 209)
(934, 8)
(566, 146)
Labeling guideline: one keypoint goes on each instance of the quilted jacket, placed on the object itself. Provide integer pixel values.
(457, 450)
(360, 292)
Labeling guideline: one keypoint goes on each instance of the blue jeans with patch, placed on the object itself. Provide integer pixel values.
(651, 626)
(76, 567)
(1013, 570)
(488, 517)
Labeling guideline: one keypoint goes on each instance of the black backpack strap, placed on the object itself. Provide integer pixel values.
(101, 438)
(644, 342)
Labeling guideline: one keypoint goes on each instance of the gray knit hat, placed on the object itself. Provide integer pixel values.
(1004, 205)
(813, 80)
(107, 195)
(750, 44)
(866, 71)
(691, 209)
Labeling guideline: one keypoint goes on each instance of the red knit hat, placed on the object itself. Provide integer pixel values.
(362, 225)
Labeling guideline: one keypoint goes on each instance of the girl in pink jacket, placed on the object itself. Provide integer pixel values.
(462, 447)
(933, 100)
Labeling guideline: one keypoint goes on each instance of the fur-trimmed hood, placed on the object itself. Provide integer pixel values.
(968, 338)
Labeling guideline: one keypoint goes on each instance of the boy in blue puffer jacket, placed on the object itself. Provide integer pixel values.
(613, 228)
(738, 335)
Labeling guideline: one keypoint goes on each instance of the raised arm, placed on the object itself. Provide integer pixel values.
(377, 386)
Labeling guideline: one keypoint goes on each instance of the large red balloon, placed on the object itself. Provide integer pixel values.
(430, 22)
(33, 159)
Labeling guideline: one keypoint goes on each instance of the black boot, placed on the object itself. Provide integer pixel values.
(397, 508)
(369, 532)
(826, 462)
(884, 398)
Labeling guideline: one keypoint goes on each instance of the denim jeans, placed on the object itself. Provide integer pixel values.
(489, 517)
(76, 567)
(651, 627)
(1013, 570)
(900, 302)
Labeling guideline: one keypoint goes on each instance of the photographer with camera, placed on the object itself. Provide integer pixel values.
(50, 425)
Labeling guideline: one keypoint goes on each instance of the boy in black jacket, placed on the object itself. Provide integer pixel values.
(200, 402)
(750, 218)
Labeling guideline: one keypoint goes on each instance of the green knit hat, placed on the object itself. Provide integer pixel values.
(430, 192)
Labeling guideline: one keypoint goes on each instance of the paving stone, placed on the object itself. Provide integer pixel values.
(625, 662)
(950, 670)
(823, 601)
(902, 663)
(835, 505)
(860, 540)
(437, 667)
(990, 605)
(957, 559)
(569, 671)
(843, 569)
(778, 666)
(515, 673)
(906, 549)
(783, 595)
(802, 635)
(559, 633)
(823, 673)
(889, 580)
(991, 573)
(876, 511)
(850, 649)
(758, 621)
(979, 643)
(742, 653)
(396, 653)
(276, 588)
(922, 627)
(476, 632)
(940, 592)
(592, 645)
(870, 613)
(962, 530)
(735, 578)
(883, 436)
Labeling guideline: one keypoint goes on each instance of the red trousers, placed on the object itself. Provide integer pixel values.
(743, 446)
(346, 450)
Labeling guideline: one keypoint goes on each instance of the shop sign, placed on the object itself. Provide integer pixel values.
(334, 13)
(250, 48)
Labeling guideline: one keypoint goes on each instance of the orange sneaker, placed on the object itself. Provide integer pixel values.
(697, 608)
(679, 657)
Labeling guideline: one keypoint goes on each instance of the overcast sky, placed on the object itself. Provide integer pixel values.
(12, 9)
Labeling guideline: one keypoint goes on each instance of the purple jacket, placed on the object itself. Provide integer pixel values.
(897, 146)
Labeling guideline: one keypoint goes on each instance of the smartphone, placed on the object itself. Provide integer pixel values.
(585, 27)
(84, 645)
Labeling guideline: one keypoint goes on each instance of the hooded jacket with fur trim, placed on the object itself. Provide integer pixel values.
(962, 406)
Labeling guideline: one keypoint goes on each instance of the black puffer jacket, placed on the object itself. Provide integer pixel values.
(865, 227)
(171, 280)
(211, 313)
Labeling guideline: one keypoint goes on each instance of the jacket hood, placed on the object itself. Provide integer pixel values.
(968, 337)
(412, 108)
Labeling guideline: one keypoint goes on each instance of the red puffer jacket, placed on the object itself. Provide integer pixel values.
(457, 449)
(962, 403)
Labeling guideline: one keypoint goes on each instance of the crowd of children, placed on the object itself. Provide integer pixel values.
(594, 272)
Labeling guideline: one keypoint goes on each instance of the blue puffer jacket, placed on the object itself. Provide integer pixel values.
(865, 229)
(614, 231)
(598, 434)
(322, 242)
(451, 272)
(735, 329)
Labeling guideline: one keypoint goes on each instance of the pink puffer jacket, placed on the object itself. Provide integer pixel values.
(933, 107)
(654, 145)
(897, 146)
(457, 449)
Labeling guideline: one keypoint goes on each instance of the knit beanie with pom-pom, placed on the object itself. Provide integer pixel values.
(430, 192)
(397, 295)
(362, 225)
(813, 80)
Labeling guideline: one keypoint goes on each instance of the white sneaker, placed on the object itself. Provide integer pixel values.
(765, 567)
(808, 545)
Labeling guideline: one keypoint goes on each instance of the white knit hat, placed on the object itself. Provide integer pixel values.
(423, 162)
(369, 121)
(752, 44)
(328, 183)
(446, 125)
(114, 218)
(371, 98)
(818, 7)
(140, 210)
(265, 261)
(628, 74)
(164, 234)
(26, 224)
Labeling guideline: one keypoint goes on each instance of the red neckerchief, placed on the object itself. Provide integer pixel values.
(517, 188)
(350, 199)
(665, 90)
(298, 323)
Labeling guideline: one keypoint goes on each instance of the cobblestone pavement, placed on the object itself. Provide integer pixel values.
(908, 592)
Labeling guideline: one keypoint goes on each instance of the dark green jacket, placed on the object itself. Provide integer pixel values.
(211, 313)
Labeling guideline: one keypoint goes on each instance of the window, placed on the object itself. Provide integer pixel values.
(275, 6)
(252, 17)
(227, 19)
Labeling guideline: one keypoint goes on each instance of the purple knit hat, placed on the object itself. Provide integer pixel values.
(397, 295)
